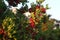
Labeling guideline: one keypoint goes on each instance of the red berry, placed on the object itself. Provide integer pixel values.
(32, 24)
(31, 20)
(17, 1)
(12, 2)
(1, 31)
(37, 7)
(43, 10)
(30, 10)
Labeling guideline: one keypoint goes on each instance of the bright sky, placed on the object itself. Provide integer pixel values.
(53, 4)
(55, 8)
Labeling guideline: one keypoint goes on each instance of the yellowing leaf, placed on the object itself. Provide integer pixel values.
(32, 15)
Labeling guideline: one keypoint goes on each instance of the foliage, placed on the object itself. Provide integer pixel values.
(36, 26)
